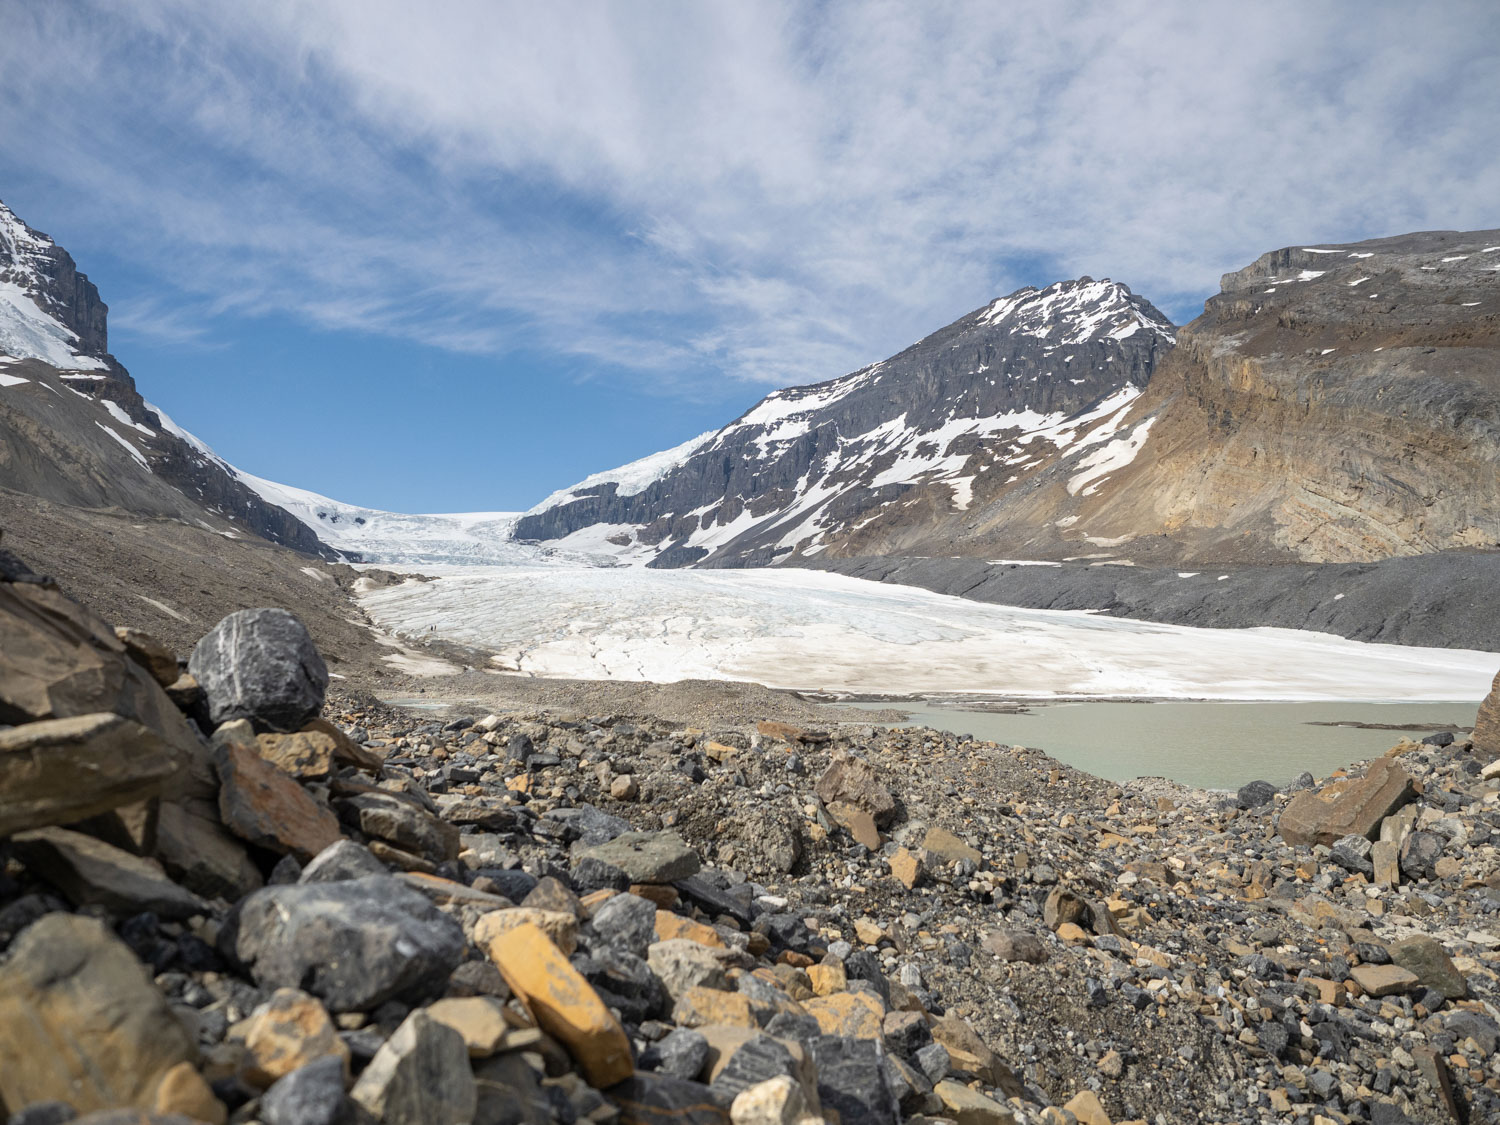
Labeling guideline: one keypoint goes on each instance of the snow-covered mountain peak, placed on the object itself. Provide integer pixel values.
(959, 417)
(1074, 312)
(41, 297)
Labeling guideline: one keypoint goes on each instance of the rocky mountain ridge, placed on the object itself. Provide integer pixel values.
(1332, 404)
(939, 427)
(74, 428)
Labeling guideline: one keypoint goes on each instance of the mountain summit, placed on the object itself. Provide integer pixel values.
(947, 423)
(73, 427)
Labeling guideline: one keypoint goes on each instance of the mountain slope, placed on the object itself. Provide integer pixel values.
(1332, 404)
(75, 430)
(939, 428)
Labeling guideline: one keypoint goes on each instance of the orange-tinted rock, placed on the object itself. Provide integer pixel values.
(564, 1004)
(1357, 811)
(669, 926)
(261, 804)
(856, 1014)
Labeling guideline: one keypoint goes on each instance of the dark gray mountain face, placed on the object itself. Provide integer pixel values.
(929, 429)
(113, 450)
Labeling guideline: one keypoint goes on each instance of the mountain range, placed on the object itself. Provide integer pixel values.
(1333, 404)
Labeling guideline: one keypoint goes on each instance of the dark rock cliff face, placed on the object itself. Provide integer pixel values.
(59, 451)
(926, 430)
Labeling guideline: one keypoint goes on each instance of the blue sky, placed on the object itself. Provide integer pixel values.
(451, 257)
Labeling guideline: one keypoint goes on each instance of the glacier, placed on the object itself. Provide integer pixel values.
(815, 631)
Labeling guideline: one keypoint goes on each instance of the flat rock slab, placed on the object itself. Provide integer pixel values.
(261, 665)
(354, 944)
(1384, 980)
(261, 804)
(59, 771)
(81, 1020)
(1309, 819)
(649, 857)
(93, 873)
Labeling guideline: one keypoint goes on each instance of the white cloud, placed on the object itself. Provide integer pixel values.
(773, 193)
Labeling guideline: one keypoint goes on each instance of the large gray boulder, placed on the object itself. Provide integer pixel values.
(261, 665)
(354, 944)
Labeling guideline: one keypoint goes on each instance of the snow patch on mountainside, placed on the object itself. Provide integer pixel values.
(26, 332)
(1078, 313)
(629, 479)
(394, 538)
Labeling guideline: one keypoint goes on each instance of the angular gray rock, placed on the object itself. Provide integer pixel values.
(628, 922)
(341, 861)
(261, 665)
(93, 873)
(310, 1095)
(354, 944)
(402, 823)
(420, 1076)
(649, 857)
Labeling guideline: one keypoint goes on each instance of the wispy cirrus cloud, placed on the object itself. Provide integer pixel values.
(684, 194)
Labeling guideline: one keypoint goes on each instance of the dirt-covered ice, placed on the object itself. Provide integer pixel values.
(818, 631)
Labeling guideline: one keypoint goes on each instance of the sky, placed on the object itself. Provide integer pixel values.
(446, 257)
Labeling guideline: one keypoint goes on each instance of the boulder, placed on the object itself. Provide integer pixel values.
(81, 1020)
(200, 854)
(648, 857)
(306, 755)
(564, 1003)
(346, 751)
(560, 926)
(1383, 980)
(658, 1099)
(313, 1095)
(261, 804)
(402, 823)
(58, 660)
(946, 848)
(682, 964)
(1016, 945)
(776, 1101)
(286, 1033)
(1254, 794)
(150, 653)
(852, 1079)
(420, 1076)
(182, 1090)
(1420, 854)
(627, 921)
(479, 1019)
(354, 944)
(58, 771)
(1487, 726)
(851, 780)
(261, 665)
(1310, 819)
(340, 861)
(92, 873)
(970, 1107)
(1426, 957)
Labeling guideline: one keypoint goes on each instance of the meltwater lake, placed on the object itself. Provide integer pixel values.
(1211, 745)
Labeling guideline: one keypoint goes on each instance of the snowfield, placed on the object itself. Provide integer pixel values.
(816, 631)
